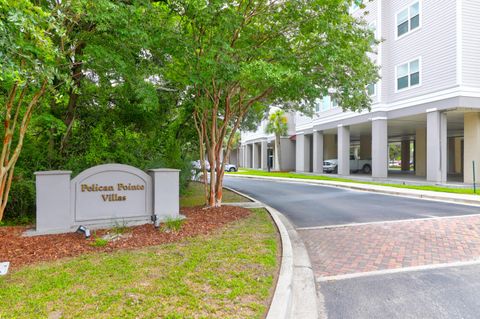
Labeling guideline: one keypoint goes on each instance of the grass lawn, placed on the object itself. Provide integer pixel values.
(229, 274)
(194, 196)
(328, 178)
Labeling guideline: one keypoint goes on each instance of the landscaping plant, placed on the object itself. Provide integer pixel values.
(233, 59)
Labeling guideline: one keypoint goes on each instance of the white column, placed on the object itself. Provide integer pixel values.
(436, 146)
(53, 202)
(300, 153)
(240, 156)
(379, 147)
(264, 155)
(317, 152)
(248, 156)
(255, 155)
(343, 150)
(471, 147)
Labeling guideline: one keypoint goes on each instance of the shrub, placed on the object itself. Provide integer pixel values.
(20, 208)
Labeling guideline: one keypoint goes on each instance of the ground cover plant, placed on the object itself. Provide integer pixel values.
(252, 172)
(220, 263)
(229, 274)
(21, 250)
(194, 196)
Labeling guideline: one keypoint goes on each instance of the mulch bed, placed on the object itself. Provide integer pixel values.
(20, 251)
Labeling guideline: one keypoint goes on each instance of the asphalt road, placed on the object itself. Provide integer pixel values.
(312, 205)
(445, 293)
(440, 293)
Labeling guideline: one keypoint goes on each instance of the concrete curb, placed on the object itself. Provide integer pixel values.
(295, 294)
(464, 199)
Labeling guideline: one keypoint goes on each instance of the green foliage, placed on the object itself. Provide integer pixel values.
(27, 49)
(99, 242)
(172, 225)
(295, 50)
(277, 123)
(21, 205)
(110, 112)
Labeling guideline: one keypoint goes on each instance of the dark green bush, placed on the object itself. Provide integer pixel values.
(20, 208)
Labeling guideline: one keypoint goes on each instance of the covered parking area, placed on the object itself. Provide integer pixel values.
(434, 146)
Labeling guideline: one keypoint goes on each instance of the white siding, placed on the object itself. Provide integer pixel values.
(471, 42)
(434, 42)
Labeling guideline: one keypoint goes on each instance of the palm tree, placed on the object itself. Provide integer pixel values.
(277, 124)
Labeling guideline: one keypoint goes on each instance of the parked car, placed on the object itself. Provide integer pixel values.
(356, 165)
(228, 167)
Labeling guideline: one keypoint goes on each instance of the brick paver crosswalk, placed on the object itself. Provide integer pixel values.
(372, 247)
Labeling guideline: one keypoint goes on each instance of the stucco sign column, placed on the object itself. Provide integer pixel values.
(379, 147)
(53, 201)
(165, 188)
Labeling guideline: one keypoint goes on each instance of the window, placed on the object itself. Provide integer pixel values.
(408, 19)
(334, 103)
(371, 88)
(408, 75)
(325, 103)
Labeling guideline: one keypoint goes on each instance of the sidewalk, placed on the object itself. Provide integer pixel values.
(389, 190)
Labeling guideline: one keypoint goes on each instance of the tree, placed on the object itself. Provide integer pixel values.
(277, 124)
(229, 57)
(28, 63)
(116, 107)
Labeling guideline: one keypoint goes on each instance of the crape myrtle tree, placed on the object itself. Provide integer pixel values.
(277, 124)
(230, 57)
(28, 63)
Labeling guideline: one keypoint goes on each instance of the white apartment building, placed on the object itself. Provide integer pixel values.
(428, 99)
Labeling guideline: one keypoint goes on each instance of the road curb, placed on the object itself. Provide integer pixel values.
(295, 294)
(464, 199)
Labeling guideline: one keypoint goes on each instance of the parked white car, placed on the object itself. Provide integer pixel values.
(228, 167)
(356, 165)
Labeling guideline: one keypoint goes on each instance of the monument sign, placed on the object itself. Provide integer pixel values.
(103, 196)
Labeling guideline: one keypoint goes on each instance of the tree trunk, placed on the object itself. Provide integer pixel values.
(278, 152)
(9, 159)
(77, 76)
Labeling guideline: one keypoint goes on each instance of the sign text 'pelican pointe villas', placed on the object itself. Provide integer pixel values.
(111, 188)
(103, 196)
